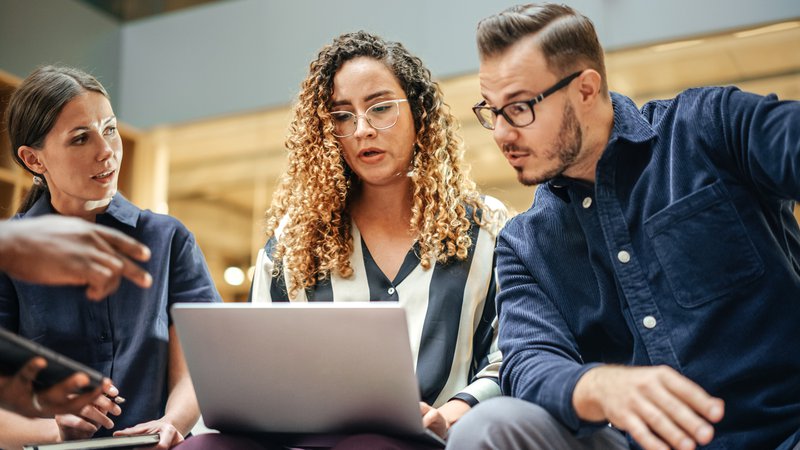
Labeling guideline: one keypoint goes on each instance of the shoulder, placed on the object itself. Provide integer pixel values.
(492, 216)
(545, 212)
(691, 102)
(162, 223)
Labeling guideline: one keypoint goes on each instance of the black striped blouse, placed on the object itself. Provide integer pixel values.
(450, 309)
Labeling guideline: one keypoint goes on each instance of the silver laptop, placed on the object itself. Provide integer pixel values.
(302, 368)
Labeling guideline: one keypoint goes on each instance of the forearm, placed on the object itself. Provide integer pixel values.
(182, 410)
(16, 431)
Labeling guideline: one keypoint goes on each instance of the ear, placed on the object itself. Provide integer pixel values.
(32, 159)
(589, 85)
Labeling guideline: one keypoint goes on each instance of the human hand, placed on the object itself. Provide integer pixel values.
(72, 251)
(169, 436)
(17, 393)
(657, 406)
(433, 420)
(90, 418)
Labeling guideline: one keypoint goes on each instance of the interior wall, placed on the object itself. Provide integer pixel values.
(39, 32)
(243, 55)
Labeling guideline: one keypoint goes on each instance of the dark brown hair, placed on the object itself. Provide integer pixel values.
(567, 38)
(35, 106)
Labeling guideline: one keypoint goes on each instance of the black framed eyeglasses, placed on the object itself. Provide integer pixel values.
(517, 114)
(380, 116)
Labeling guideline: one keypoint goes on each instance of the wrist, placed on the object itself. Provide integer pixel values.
(586, 397)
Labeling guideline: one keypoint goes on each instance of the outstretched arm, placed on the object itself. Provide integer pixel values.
(67, 250)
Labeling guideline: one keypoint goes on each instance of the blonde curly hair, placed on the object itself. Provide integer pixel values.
(311, 203)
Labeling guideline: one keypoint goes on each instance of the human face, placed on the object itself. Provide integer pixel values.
(550, 145)
(378, 157)
(81, 155)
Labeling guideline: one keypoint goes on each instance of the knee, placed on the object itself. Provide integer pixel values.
(498, 423)
(214, 441)
(504, 411)
(370, 442)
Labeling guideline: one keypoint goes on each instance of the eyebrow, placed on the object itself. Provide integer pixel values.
(102, 124)
(508, 98)
(366, 99)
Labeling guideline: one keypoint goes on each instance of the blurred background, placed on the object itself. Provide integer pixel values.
(204, 87)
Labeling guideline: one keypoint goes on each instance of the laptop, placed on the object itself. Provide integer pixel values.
(302, 368)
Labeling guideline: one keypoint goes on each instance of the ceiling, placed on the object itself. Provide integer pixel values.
(127, 10)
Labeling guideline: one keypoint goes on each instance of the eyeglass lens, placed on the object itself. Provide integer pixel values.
(380, 116)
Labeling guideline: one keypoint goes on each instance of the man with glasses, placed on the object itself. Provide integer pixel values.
(652, 292)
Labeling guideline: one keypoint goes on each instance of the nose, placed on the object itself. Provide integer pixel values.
(105, 150)
(503, 132)
(363, 128)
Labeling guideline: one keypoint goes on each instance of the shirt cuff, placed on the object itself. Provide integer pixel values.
(480, 390)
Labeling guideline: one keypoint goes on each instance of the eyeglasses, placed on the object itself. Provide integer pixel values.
(517, 114)
(380, 116)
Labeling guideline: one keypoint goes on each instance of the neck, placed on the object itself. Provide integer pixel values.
(87, 210)
(387, 204)
(596, 132)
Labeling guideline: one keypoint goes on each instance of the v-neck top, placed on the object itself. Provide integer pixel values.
(450, 310)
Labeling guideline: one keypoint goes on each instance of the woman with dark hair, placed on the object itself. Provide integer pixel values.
(63, 130)
(376, 205)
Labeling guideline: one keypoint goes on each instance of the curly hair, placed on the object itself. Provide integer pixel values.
(311, 203)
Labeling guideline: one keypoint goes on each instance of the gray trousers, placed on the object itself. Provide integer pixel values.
(506, 423)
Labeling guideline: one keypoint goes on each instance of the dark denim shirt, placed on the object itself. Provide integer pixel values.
(684, 253)
(125, 336)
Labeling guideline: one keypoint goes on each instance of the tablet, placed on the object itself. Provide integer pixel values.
(115, 442)
(15, 351)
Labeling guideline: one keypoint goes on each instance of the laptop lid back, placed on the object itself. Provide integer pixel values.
(301, 367)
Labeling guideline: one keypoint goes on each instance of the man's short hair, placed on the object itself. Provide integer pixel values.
(567, 38)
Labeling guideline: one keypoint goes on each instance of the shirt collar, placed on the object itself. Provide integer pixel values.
(628, 121)
(119, 209)
(629, 125)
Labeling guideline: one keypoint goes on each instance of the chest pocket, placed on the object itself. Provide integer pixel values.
(703, 247)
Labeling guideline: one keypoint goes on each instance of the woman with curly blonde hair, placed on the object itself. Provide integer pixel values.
(376, 205)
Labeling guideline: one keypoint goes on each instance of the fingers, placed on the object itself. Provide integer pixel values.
(641, 433)
(430, 418)
(424, 408)
(682, 421)
(136, 274)
(673, 412)
(713, 409)
(58, 397)
(169, 436)
(125, 244)
(74, 427)
(433, 419)
(31, 369)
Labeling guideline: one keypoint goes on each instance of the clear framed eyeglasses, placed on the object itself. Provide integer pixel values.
(380, 116)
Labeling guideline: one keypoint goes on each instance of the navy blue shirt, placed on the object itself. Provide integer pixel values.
(684, 253)
(125, 336)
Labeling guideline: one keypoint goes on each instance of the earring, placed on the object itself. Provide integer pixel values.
(414, 162)
(38, 180)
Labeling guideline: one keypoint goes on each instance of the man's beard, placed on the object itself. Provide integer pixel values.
(567, 149)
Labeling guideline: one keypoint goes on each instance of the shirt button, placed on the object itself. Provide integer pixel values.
(624, 257)
(649, 322)
(587, 202)
(391, 291)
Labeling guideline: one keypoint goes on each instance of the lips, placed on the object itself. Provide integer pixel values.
(515, 155)
(103, 176)
(370, 152)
